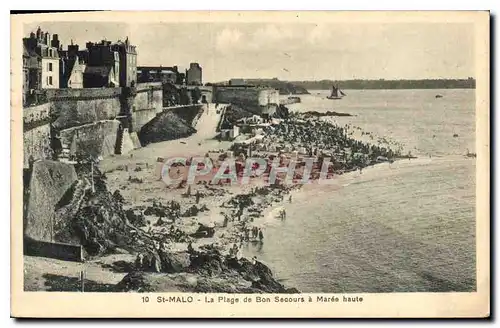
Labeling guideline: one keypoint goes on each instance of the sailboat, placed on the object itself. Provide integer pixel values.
(336, 93)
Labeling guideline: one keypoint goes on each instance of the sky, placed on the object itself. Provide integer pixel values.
(292, 51)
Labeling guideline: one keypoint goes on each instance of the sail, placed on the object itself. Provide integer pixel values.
(335, 92)
(343, 94)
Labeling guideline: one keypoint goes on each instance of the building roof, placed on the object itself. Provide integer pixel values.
(70, 64)
(156, 68)
(98, 70)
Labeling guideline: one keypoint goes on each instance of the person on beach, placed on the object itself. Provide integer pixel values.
(198, 196)
(255, 232)
(261, 235)
(290, 199)
(233, 252)
(283, 215)
(139, 261)
(254, 260)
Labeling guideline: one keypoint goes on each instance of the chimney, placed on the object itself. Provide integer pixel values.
(72, 50)
(55, 41)
(48, 39)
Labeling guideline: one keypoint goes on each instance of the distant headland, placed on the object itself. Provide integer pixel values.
(469, 83)
(302, 87)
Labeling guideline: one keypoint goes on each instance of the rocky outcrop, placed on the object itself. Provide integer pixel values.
(188, 113)
(166, 126)
(161, 261)
(144, 282)
(68, 211)
(213, 272)
(100, 224)
(208, 272)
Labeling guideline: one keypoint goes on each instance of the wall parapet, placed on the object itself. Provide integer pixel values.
(82, 94)
(56, 250)
(141, 87)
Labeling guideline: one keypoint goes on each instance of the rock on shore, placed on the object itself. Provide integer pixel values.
(167, 126)
(209, 272)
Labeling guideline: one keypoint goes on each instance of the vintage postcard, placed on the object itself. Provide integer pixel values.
(250, 164)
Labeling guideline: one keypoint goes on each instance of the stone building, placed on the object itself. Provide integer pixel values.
(43, 60)
(109, 64)
(181, 79)
(162, 74)
(194, 74)
(103, 65)
(128, 62)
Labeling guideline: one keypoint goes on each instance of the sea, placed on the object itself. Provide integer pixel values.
(408, 226)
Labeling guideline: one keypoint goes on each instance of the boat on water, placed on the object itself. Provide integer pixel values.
(469, 154)
(336, 93)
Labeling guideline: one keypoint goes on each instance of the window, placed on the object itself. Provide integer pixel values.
(50, 67)
(50, 80)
